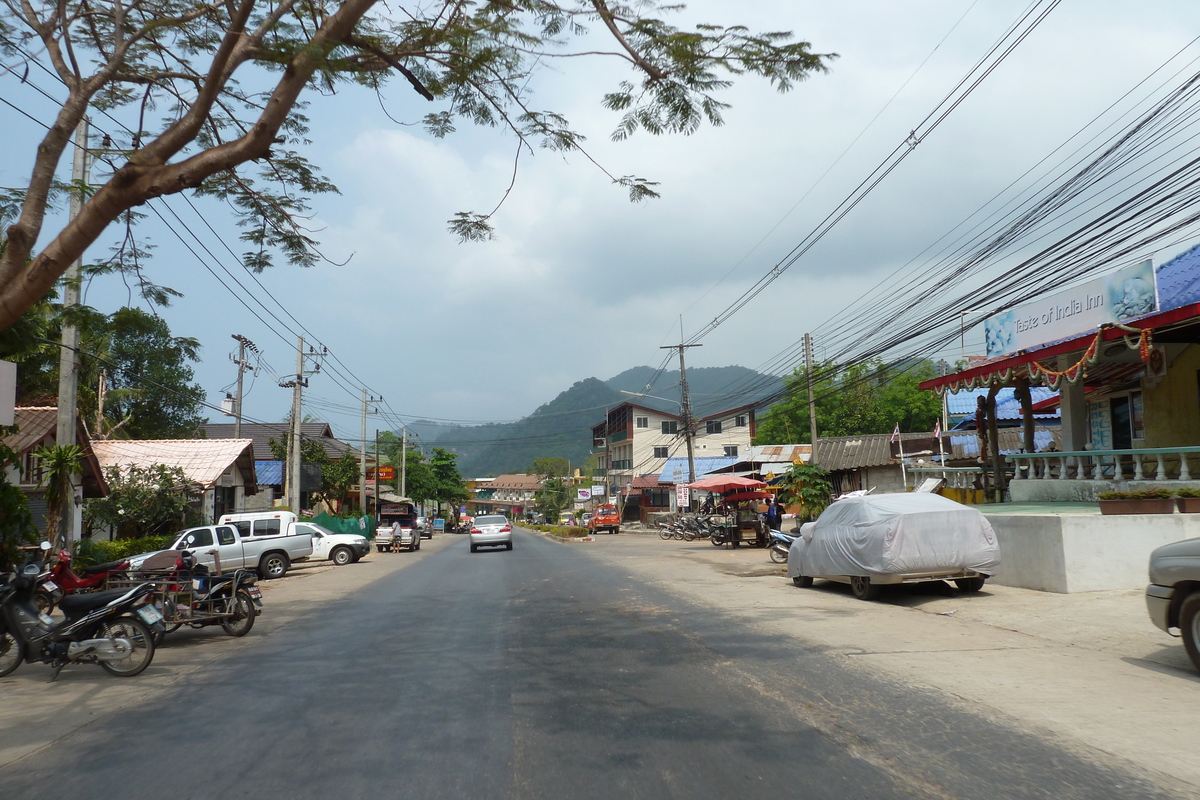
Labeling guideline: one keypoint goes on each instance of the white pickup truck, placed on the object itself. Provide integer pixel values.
(263, 545)
(340, 548)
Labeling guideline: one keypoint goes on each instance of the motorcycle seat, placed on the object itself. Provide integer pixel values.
(98, 568)
(74, 604)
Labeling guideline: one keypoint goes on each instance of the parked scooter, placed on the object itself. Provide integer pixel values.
(781, 545)
(113, 628)
(62, 580)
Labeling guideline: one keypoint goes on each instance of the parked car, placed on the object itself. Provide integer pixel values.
(340, 548)
(491, 530)
(425, 526)
(267, 546)
(408, 538)
(876, 540)
(1173, 596)
(605, 518)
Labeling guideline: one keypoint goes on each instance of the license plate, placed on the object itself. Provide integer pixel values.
(149, 615)
(50, 586)
(255, 592)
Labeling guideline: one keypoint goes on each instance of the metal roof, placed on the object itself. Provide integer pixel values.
(263, 432)
(852, 452)
(1179, 280)
(203, 461)
(963, 402)
(270, 473)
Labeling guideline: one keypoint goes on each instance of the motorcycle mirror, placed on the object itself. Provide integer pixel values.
(45, 545)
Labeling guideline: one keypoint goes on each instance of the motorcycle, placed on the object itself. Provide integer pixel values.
(781, 545)
(113, 628)
(189, 594)
(62, 580)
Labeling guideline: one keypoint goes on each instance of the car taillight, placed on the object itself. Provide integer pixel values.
(506, 529)
(476, 530)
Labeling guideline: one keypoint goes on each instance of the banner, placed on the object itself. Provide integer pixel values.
(683, 496)
(386, 473)
(583, 494)
(1121, 295)
(598, 489)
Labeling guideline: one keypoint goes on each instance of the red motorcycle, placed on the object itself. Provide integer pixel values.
(62, 580)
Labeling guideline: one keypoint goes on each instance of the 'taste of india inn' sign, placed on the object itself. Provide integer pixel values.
(1124, 294)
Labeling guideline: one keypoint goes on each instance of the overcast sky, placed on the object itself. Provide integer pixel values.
(578, 281)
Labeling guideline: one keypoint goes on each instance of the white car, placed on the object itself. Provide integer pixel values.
(491, 530)
(883, 539)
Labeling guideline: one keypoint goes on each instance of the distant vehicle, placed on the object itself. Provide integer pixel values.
(491, 530)
(403, 512)
(340, 548)
(1173, 596)
(605, 518)
(883, 539)
(566, 518)
(269, 545)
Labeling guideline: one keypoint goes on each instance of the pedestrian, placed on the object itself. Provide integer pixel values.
(774, 515)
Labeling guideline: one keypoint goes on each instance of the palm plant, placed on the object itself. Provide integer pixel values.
(60, 464)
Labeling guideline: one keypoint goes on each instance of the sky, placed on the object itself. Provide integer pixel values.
(579, 282)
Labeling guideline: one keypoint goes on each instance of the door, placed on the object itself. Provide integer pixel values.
(1122, 429)
(229, 548)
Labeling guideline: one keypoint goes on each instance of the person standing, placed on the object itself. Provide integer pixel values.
(775, 515)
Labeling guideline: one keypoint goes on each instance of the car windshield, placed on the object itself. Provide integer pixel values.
(496, 520)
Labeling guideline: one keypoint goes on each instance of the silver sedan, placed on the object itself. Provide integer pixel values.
(491, 530)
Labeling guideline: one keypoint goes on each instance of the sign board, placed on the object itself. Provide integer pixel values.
(386, 473)
(583, 494)
(598, 489)
(1126, 293)
(683, 496)
(393, 508)
(439, 525)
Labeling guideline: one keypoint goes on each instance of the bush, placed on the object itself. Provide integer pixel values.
(564, 531)
(1187, 492)
(99, 551)
(1137, 494)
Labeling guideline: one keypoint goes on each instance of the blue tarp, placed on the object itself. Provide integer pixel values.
(676, 469)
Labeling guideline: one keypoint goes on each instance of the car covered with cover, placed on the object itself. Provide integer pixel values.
(871, 541)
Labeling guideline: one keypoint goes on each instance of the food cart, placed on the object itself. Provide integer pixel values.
(740, 498)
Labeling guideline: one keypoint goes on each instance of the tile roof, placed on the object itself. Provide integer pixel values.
(203, 461)
(519, 481)
(263, 432)
(38, 424)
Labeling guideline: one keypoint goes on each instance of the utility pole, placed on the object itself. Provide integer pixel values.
(404, 462)
(362, 462)
(68, 354)
(812, 403)
(376, 476)
(244, 344)
(296, 385)
(685, 407)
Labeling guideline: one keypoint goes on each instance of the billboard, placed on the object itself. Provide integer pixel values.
(386, 473)
(583, 494)
(1124, 294)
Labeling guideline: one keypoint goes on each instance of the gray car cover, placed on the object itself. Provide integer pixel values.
(894, 534)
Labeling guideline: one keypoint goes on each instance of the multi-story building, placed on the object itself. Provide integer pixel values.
(634, 440)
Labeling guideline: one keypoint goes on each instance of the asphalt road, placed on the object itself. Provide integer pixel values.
(544, 672)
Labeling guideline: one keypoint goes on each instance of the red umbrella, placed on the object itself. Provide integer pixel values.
(723, 483)
(737, 497)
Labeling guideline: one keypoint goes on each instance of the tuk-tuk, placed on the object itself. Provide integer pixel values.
(566, 518)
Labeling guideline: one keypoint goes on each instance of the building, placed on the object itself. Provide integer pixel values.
(510, 495)
(634, 440)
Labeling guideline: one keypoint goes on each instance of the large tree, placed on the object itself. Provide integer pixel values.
(206, 96)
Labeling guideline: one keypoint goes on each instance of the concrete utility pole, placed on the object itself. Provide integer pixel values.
(812, 403)
(296, 385)
(244, 344)
(403, 461)
(68, 354)
(685, 407)
(362, 462)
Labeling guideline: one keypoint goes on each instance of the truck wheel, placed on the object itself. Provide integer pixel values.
(418, 547)
(341, 556)
(379, 547)
(273, 565)
(1189, 626)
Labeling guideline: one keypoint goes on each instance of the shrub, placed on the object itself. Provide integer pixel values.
(1187, 492)
(1137, 494)
(99, 551)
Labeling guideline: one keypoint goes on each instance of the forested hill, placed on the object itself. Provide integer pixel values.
(562, 427)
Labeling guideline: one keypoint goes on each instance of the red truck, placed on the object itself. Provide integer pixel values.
(605, 518)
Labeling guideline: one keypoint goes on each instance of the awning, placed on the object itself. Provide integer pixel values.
(1037, 365)
(724, 483)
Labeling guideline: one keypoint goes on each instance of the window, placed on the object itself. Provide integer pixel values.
(266, 527)
(641, 422)
(712, 426)
(661, 452)
(198, 538)
(670, 426)
(731, 450)
(739, 422)
(225, 535)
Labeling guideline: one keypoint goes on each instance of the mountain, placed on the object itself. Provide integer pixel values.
(562, 427)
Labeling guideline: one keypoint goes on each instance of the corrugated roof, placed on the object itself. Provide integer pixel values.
(778, 453)
(203, 461)
(852, 452)
(518, 481)
(645, 482)
(677, 467)
(1179, 280)
(263, 432)
(963, 402)
(270, 473)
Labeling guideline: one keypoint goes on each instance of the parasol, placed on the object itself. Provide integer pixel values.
(740, 495)
(724, 483)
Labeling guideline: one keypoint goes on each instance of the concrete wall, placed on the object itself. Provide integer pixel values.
(1072, 491)
(1083, 552)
